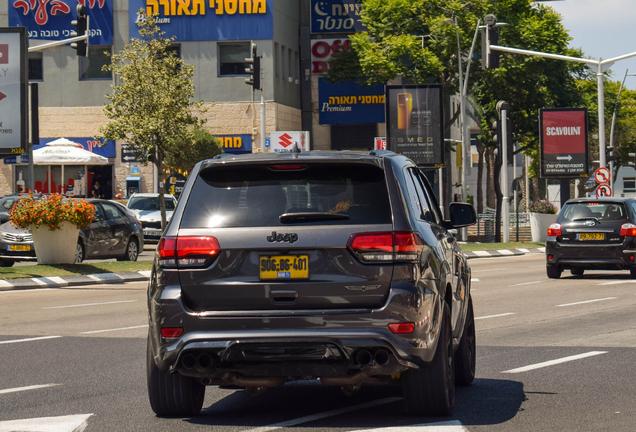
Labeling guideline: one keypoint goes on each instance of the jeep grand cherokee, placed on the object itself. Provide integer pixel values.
(335, 266)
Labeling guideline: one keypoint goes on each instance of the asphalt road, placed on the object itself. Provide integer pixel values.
(553, 355)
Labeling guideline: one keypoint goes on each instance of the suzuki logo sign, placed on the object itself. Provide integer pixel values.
(285, 140)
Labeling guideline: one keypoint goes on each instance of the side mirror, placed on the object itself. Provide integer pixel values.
(462, 215)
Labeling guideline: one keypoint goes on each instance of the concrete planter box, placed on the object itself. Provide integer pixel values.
(539, 224)
(55, 247)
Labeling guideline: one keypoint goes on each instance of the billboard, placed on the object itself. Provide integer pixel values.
(347, 102)
(52, 20)
(336, 16)
(13, 90)
(323, 50)
(414, 123)
(563, 142)
(208, 20)
(236, 144)
(282, 141)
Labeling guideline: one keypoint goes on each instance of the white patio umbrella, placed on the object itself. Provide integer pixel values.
(65, 152)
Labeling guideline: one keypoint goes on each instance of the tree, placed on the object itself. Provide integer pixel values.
(184, 155)
(151, 107)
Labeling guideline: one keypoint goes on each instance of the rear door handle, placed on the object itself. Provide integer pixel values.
(284, 296)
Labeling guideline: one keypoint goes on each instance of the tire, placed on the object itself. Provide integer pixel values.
(466, 354)
(430, 390)
(632, 272)
(554, 272)
(6, 263)
(172, 395)
(577, 271)
(132, 251)
(79, 252)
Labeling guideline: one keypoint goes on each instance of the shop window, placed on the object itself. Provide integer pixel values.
(629, 184)
(232, 58)
(353, 136)
(36, 68)
(91, 65)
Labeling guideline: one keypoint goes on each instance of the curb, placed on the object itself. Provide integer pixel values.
(59, 282)
(502, 252)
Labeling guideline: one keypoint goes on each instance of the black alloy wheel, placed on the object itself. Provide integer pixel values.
(79, 252)
(132, 251)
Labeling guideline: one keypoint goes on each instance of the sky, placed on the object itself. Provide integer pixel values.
(602, 29)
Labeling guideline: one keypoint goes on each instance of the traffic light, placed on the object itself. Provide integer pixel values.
(609, 154)
(496, 126)
(489, 36)
(254, 70)
(82, 25)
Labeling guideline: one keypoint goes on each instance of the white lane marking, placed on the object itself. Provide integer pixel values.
(496, 316)
(618, 282)
(70, 423)
(505, 252)
(115, 329)
(482, 253)
(542, 249)
(447, 426)
(28, 290)
(474, 279)
(29, 339)
(524, 250)
(33, 387)
(587, 301)
(555, 362)
(491, 270)
(90, 304)
(527, 283)
(145, 273)
(323, 415)
(4, 283)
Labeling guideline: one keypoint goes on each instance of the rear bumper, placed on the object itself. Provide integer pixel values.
(589, 256)
(296, 344)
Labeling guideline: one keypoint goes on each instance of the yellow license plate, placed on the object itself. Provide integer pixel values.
(19, 247)
(284, 267)
(591, 236)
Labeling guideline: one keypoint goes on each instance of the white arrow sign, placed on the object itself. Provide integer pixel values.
(71, 423)
(567, 158)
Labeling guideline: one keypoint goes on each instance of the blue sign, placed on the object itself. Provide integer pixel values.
(268, 142)
(24, 159)
(207, 20)
(135, 169)
(51, 20)
(107, 150)
(349, 103)
(236, 144)
(336, 16)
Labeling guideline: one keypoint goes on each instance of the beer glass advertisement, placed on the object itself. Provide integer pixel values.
(564, 144)
(414, 123)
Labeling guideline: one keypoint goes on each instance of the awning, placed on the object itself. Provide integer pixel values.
(66, 152)
(133, 178)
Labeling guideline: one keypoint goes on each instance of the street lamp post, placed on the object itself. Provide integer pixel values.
(611, 143)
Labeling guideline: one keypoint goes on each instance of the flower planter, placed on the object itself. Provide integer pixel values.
(55, 247)
(539, 224)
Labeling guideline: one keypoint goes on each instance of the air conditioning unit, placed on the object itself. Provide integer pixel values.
(291, 80)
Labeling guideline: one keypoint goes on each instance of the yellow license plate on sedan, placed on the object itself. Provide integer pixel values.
(591, 236)
(284, 267)
(19, 247)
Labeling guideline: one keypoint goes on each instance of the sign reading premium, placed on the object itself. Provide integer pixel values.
(564, 144)
(52, 20)
(336, 16)
(13, 90)
(208, 20)
(323, 50)
(414, 123)
(349, 103)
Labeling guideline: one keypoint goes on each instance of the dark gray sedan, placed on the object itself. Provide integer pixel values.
(114, 233)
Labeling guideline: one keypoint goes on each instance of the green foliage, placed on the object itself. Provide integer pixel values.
(151, 103)
(183, 155)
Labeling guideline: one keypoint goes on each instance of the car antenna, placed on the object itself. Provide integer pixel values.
(295, 150)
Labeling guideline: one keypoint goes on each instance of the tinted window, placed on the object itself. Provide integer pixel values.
(257, 196)
(427, 212)
(112, 212)
(8, 203)
(598, 210)
(149, 203)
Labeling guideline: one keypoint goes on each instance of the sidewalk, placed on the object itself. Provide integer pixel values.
(113, 278)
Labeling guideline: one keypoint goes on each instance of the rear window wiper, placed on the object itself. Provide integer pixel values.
(310, 217)
(586, 218)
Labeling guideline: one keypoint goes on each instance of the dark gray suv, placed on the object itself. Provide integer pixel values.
(336, 266)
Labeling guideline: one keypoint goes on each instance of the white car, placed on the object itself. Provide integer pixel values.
(145, 206)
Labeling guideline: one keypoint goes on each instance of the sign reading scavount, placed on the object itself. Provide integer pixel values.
(564, 144)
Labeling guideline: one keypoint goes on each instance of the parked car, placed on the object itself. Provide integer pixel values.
(115, 233)
(145, 206)
(6, 204)
(337, 266)
(592, 234)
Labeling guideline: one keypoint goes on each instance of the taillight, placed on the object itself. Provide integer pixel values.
(554, 230)
(171, 332)
(386, 246)
(628, 230)
(402, 327)
(187, 251)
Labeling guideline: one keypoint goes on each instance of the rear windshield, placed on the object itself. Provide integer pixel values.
(599, 210)
(257, 195)
(149, 203)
